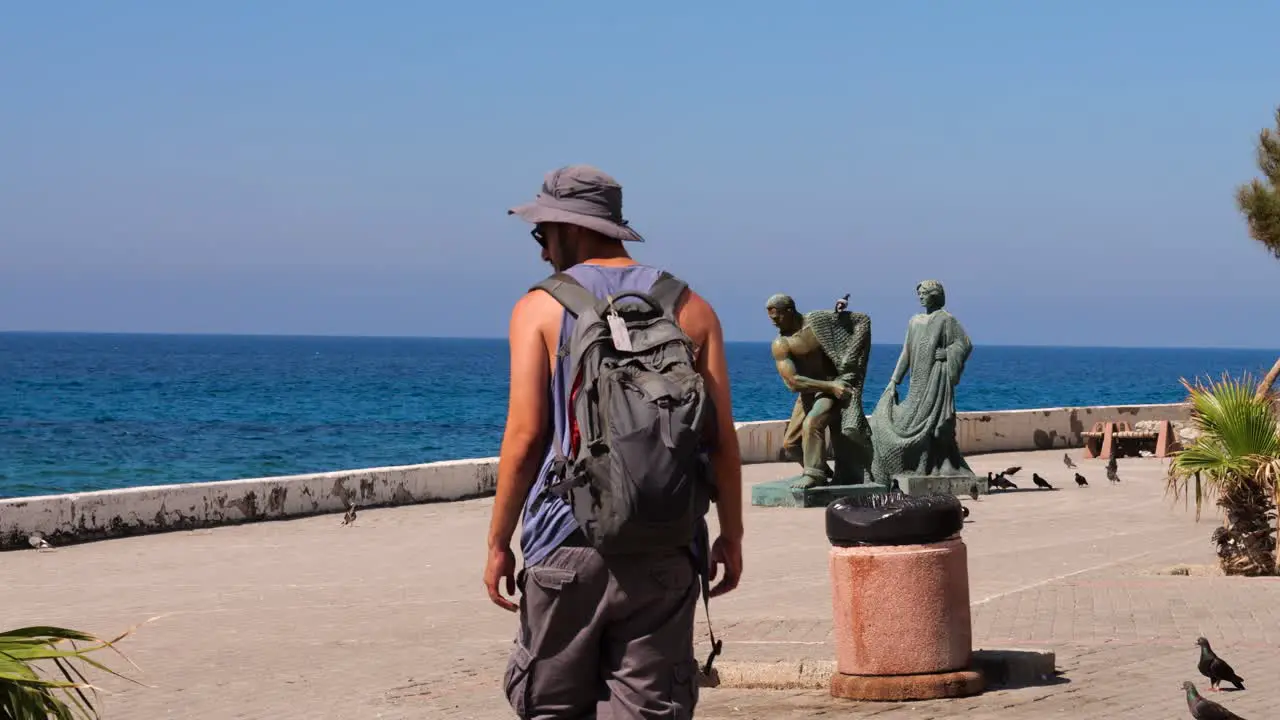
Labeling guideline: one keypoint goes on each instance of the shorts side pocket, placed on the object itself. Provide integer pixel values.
(684, 689)
(516, 681)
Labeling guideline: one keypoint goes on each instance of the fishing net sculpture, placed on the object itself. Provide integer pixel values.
(822, 357)
(918, 435)
(845, 337)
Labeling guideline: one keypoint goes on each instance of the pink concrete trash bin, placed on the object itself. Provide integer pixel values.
(901, 621)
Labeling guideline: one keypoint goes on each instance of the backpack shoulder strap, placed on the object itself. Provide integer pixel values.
(568, 292)
(667, 290)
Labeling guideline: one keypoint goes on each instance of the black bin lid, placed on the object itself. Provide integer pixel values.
(893, 519)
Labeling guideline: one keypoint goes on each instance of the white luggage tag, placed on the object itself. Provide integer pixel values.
(618, 330)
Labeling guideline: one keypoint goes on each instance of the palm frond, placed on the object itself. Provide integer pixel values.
(26, 694)
(1235, 462)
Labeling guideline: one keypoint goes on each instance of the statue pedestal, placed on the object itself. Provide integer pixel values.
(779, 493)
(901, 622)
(954, 484)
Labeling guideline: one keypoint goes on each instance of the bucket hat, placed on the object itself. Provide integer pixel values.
(580, 195)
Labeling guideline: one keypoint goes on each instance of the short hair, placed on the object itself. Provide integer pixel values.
(932, 286)
(780, 302)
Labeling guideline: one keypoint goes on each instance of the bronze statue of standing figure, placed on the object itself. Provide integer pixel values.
(917, 437)
(822, 356)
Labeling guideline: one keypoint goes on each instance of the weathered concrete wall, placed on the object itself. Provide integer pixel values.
(998, 431)
(114, 513)
(1013, 430)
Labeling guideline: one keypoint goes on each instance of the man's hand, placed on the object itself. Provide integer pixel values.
(502, 564)
(726, 552)
(940, 354)
(840, 390)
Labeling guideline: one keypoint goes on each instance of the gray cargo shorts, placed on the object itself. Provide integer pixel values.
(605, 638)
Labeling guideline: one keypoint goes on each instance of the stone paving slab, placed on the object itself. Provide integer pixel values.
(388, 618)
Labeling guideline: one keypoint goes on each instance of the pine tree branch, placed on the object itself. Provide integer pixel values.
(1259, 200)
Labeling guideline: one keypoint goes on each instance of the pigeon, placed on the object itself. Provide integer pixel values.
(37, 541)
(1081, 481)
(1012, 471)
(350, 516)
(1040, 482)
(1004, 483)
(843, 303)
(1066, 460)
(973, 491)
(1111, 471)
(1215, 668)
(991, 482)
(1202, 709)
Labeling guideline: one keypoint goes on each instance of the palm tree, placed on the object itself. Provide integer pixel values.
(1235, 461)
(1260, 202)
(26, 695)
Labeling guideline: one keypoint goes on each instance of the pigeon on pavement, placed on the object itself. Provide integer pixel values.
(1202, 709)
(1215, 668)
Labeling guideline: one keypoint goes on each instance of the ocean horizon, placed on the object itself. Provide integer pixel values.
(93, 411)
(487, 338)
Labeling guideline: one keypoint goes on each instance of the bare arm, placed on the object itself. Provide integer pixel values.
(701, 324)
(904, 360)
(796, 382)
(524, 438)
(725, 455)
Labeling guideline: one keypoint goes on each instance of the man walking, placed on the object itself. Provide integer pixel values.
(613, 536)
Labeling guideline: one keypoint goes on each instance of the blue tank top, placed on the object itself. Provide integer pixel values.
(548, 520)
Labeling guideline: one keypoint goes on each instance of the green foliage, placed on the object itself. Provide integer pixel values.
(1236, 462)
(27, 695)
(1260, 199)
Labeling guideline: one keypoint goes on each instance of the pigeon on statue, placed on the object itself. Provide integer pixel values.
(1215, 668)
(1040, 482)
(1066, 460)
(1202, 709)
(1081, 481)
(843, 303)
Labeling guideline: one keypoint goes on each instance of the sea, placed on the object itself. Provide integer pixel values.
(96, 411)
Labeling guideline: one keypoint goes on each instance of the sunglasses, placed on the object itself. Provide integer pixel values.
(540, 237)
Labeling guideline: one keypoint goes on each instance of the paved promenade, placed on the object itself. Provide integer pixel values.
(388, 618)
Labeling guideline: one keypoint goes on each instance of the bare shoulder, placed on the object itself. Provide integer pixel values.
(536, 318)
(698, 319)
(534, 308)
(781, 347)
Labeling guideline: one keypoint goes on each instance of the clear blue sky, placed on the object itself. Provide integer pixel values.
(344, 168)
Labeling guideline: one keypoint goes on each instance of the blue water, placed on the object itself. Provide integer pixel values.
(89, 412)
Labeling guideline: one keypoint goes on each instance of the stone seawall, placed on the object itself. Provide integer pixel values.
(115, 513)
(997, 431)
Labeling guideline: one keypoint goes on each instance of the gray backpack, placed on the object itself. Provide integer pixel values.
(635, 474)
